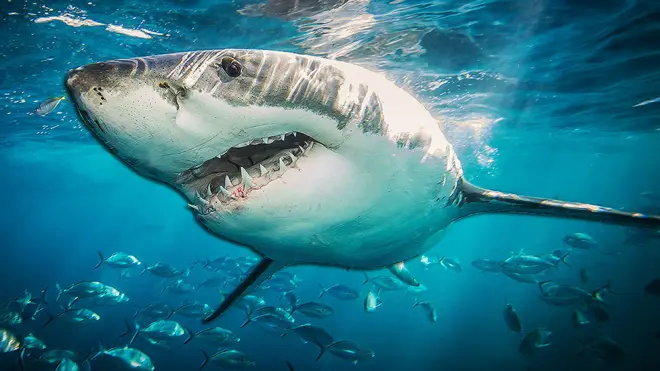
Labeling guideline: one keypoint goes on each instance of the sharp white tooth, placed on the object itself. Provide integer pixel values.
(201, 199)
(282, 136)
(302, 150)
(263, 170)
(295, 134)
(247, 180)
(208, 190)
(293, 158)
(224, 191)
(309, 146)
(282, 165)
(195, 207)
(228, 182)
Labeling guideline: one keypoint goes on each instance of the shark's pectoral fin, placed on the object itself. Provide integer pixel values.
(261, 272)
(400, 271)
(472, 200)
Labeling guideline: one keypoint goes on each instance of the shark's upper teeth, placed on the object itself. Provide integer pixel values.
(212, 196)
(293, 158)
(201, 199)
(224, 191)
(247, 180)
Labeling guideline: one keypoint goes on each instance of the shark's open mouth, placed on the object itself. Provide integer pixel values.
(246, 167)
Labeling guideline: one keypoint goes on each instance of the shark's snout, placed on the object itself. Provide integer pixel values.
(98, 76)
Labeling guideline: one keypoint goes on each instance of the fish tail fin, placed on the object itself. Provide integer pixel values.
(288, 364)
(541, 283)
(442, 262)
(50, 319)
(608, 287)
(321, 352)
(473, 200)
(563, 259)
(323, 290)
(366, 278)
(247, 321)
(101, 260)
(101, 347)
(191, 335)
(206, 359)
(21, 359)
(136, 333)
(59, 291)
(416, 303)
(597, 294)
(95, 353)
(137, 313)
(129, 329)
(71, 303)
(175, 310)
(43, 299)
(144, 270)
(91, 355)
(261, 272)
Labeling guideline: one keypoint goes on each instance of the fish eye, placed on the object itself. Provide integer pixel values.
(231, 66)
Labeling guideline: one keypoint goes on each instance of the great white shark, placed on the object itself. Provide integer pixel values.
(305, 160)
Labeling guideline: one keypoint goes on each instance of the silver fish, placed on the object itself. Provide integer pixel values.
(8, 342)
(216, 335)
(429, 309)
(118, 260)
(48, 105)
(372, 301)
(133, 358)
(341, 292)
(314, 310)
(230, 359)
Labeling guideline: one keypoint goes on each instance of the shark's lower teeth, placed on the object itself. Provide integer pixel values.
(226, 188)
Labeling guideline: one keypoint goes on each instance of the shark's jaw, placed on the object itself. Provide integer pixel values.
(224, 183)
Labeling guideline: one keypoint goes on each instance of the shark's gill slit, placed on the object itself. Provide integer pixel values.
(246, 167)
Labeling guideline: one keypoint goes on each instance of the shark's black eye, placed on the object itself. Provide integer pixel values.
(231, 66)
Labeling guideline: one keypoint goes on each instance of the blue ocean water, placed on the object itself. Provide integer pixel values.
(546, 98)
